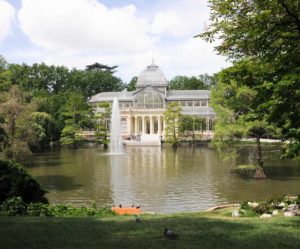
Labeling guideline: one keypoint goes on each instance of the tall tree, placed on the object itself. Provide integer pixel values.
(172, 117)
(132, 84)
(102, 127)
(239, 117)
(268, 34)
(77, 114)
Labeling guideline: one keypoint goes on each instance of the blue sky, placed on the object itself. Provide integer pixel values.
(129, 34)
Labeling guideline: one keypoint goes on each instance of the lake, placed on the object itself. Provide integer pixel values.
(160, 179)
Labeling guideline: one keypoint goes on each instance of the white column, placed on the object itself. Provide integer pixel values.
(158, 125)
(129, 125)
(143, 125)
(151, 125)
(135, 125)
(164, 126)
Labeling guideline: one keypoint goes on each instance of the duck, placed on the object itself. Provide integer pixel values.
(169, 234)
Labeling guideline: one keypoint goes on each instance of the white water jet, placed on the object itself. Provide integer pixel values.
(115, 130)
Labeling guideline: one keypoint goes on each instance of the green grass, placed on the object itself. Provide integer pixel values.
(197, 230)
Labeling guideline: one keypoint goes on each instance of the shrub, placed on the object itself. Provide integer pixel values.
(39, 209)
(13, 206)
(246, 170)
(15, 181)
(264, 207)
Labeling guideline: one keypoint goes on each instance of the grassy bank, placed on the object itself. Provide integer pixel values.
(197, 230)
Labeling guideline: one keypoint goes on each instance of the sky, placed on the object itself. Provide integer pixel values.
(127, 33)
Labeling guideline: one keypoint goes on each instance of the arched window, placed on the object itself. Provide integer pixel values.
(123, 125)
(148, 99)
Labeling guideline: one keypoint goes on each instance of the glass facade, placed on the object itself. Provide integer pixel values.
(148, 99)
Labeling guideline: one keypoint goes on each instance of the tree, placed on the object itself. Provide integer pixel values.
(172, 117)
(189, 83)
(101, 67)
(77, 114)
(190, 123)
(3, 64)
(132, 84)
(103, 120)
(14, 108)
(268, 34)
(15, 181)
(238, 114)
(3, 136)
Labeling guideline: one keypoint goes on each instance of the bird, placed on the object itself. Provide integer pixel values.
(137, 218)
(169, 234)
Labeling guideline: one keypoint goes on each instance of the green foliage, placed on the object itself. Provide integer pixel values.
(103, 119)
(16, 206)
(15, 181)
(172, 117)
(77, 114)
(237, 103)
(13, 206)
(132, 84)
(266, 35)
(203, 82)
(247, 170)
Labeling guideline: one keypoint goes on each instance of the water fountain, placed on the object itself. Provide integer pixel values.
(115, 130)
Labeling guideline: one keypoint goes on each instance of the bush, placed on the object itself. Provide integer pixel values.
(16, 206)
(13, 206)
(264, 207)
(15, 181)
(39, 209)
(246, 170)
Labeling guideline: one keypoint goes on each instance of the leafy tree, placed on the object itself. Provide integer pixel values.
(172, 117)
(101, 67)
(132, 84)
(77, 114)
(189, 124)
(15, 181)
(13, 107)
(3, 136)
(239, 117)
(202, 82)
(102, 127)
(3, 64)
(268, 34)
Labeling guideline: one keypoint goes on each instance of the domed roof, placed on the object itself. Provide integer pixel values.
(152, 76)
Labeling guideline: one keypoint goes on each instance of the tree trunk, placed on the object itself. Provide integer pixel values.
(259, 172)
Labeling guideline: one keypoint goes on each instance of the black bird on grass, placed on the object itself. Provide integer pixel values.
(170, 235)
(137, 219)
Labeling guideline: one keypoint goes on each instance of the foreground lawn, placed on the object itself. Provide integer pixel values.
(196, 230)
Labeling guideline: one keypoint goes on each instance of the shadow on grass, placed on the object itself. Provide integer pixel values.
(122, 232)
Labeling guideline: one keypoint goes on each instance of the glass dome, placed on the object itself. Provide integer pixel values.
(152, 76)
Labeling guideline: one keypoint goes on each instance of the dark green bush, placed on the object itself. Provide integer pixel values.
(264, 207)
(15, 181)
(39, 209)
(16, 206)
(13, 206)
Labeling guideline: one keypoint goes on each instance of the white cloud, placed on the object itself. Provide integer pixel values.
(184, 18)
(83, 25)
(76, 33)
(7, 14)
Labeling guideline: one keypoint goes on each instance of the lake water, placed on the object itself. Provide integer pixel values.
(159, 179)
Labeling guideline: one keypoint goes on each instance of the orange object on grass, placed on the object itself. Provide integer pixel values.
(127, 210)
